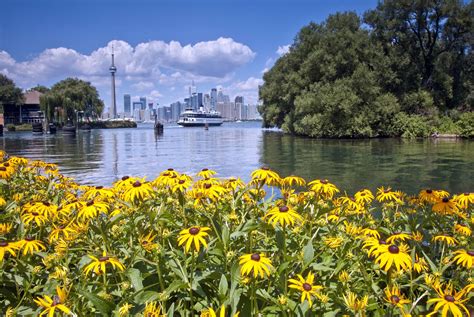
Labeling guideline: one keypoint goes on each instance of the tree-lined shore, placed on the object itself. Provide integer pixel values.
(404, 68)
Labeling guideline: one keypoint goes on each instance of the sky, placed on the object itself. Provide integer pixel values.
(160, 46)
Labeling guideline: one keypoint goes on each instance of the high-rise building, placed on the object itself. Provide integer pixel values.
(206, 101)
(213, 98)
(113, 105)
(127, 104)
(137, 105)
(143, 101)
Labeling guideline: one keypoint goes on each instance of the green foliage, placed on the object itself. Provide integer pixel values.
(9, 92)
(410, 126)
(466, 125)
(342, 79)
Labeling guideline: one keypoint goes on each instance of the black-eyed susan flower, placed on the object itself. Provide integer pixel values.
(420, 264)
(364, 196)
(387, 195)
(284, 215)
(146, 242)
(464, 258)
(209, 312)
(266, 176)
(5, 228)
(206, 173)
(44, 208)
(372, 245)
(124, 310)
(368, 232)
(35, 217)
(153, 309)
(463, 200)
(139, 191)
(98, 191)
(56, 303)
(293, 180)
(324, 188)
(417, 236)
(355, 304)
(256, 264)
(9, 247)
(194, 236)
(92, 209)
(445, 206)
(393, 256)
(98, 265)
(305, 286)
(446, 238)
(182, 184)
(394, 297)
(398, 236)
(462, 229)
(65, 231)
(343, 276)
(30, 245)
(6, 170)
(449, 300)
(429, 196)
(233, 183)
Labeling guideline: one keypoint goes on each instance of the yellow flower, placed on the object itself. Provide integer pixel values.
(355, 304)
(305, 286)
(292, 180)
(464, 258)
(9, 247)
(2, 202)
(449, 301)
(183, 182)
(371, 233)
(38, 218)
(257, 263)
(343, 276)
(233, 183)
(206, 173)
(463, 200)
(53, 304)
(429, 195)
(445, 238)
(209, 312)
(333, 242)
(417, 236)
(393, 255)
(147, 242)
(61, 231)
(92, 209)
(420, 264)
(445, 206)
(98, 191)
(324, 188)
(284, 215)
(98, 265)
(30, 245)
(6, 170)
(5, 228)
(266, 176)
(398, 236)
(124, 183)
(364, 196)
(462, 229)
(194, 234)
(124, 310)
(387, 195)
(43, 208)
(139, 191)
(394, 297)
(373, 246)
(152, 309)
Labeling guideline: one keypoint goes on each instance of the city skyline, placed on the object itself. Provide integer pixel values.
(159, 46)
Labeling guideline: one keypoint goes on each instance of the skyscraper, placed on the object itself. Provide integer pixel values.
(113, 106)
(127, 104)
(143, 101)
(213, 98)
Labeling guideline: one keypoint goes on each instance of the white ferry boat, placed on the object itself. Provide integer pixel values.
(200, 118)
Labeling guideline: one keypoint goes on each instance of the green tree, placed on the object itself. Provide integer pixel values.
(40, 88)
(69, 96)
(9, 92)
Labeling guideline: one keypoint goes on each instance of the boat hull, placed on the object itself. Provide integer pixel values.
(199, 124)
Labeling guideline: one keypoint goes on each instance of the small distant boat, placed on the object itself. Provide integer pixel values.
(192, 118)
(37, 128)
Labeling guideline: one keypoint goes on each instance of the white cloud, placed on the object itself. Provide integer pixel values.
(143, 85)
(282, 50)
(250, 84)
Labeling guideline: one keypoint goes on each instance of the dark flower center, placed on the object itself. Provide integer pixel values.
(265, 168)
(34, 213)
(182, 181)
(29, 239)
(449, 298)
(207, 186)
(170, 169)
(470, 252)
(137, 184)
(307, 287)
(61, 227)
(194, 231)
(205, 169)
(387, 191)
(283, 208)
(362, 194)
(395, 299)
(99, 187)
(255, 257)
(382, 242)
(3, 244)
(3, 168)
(56, 300)
(173, 176)
(232, 180)
(466, 194)
(166, 174)
(104, 258)
(445, 199)
(90, 203)
(324, 181)
(429, 191)
(46, 203)
(6, 164)
(125, 178)
(393, 249)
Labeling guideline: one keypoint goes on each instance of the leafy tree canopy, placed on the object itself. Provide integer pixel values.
(9, 92)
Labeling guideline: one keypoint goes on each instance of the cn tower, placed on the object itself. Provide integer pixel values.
(113, 69)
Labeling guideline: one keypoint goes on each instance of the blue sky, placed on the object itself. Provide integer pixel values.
(161, 46)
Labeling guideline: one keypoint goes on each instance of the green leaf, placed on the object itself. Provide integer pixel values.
(223, 287)
(308, 253)
(105, 307)
(135, 278)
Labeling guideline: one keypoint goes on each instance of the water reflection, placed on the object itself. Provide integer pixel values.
(102, 156)
(354, 164)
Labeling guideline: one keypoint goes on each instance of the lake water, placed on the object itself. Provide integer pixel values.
(236, 149)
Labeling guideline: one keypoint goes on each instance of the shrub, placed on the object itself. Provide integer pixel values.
(409, 126)
(466, 125)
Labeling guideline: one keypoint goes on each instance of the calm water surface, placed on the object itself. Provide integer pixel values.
(235, 149)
